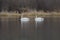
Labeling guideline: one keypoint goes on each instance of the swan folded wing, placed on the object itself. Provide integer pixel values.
(39, 19)
(24, 19)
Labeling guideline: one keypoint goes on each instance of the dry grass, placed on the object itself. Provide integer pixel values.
(30, 14)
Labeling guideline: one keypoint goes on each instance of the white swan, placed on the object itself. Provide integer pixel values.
(39, 19)
(24, 19)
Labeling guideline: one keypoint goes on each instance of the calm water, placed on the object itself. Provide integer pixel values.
(13, 29)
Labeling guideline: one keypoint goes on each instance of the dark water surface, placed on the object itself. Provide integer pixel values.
(13, 29)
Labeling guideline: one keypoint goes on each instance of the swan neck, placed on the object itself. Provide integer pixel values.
(36, 16)
(21, 15)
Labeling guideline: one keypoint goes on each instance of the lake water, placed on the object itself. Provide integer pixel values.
(13, 29)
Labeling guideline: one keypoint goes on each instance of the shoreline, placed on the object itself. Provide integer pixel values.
(33, 14)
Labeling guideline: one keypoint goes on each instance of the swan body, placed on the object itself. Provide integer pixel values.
(24, 19)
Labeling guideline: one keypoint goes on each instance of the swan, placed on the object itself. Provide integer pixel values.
(24, 19)
(39, 19)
